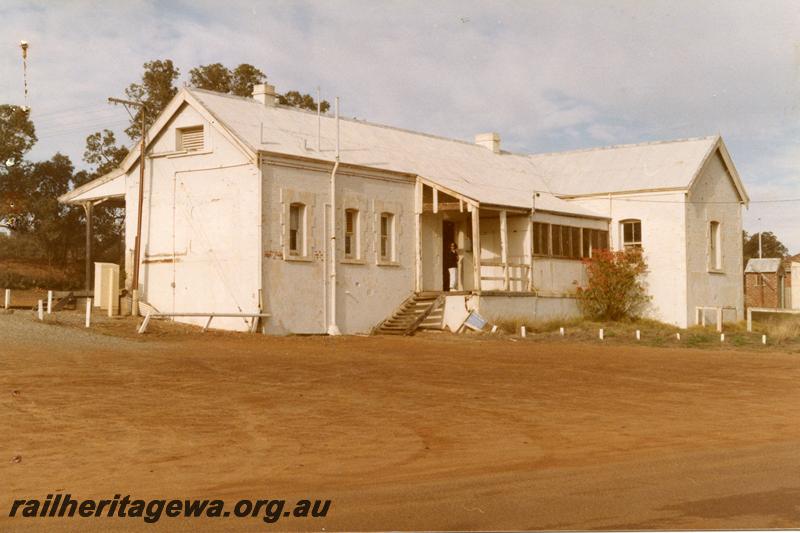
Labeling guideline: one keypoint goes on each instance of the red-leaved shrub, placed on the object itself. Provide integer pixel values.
(614, 289)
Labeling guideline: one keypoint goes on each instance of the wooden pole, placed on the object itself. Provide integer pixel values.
(88, 208)
(476, 247)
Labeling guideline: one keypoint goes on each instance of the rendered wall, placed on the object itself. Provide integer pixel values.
(714, 198)
(368, 289)
(496, 308)
(200, 246)
(663, 218)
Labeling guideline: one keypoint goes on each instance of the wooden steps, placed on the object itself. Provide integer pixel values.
(411, 314)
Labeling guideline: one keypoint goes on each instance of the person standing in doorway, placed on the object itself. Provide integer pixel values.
(451, 263)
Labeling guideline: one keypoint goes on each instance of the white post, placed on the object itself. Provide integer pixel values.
(678, 336)
(719, 319)
(522, 332)
(41, 310)
(703, 317)
(8, 299)
(504, 248)
(749, 320)
(721, 337)
(476, 247)
(763, 339)
(88, 312)
(110, 296)
(561, 331)
(638, 335)
(494, 328)
(601, 334)
(49, 302)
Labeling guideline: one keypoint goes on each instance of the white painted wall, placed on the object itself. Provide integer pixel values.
(675, 242)
(714, 197)
(663, 219)
(200, 246)
(368, 290)
(795, 300)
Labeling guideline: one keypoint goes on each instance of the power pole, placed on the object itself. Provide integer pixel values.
(138, 241)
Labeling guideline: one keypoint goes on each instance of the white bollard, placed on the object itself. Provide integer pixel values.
(7, 303)
(522, 332)
(49, 302)
(41, 310)
(763, 339)
(601, 333)
(678, 336)
(638, 335)
(88, 312)
(494, 328)
(561, 331)
(721, 337)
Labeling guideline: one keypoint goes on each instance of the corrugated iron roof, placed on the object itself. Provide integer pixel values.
(474, 171)
(763, 266)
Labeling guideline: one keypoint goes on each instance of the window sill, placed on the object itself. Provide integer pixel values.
(388, 264)
(180, 153)
(349, 261)
(716, 271)
(297, 258)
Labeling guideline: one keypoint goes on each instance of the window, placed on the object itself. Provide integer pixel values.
(541, 238)
(631, 234)
(575, 243)
(190, 139)
(297, 230)
(351, 234)
(387, 237)
(714, 246)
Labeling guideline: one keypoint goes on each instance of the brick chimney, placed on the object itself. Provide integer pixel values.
(265, 93)
(489, 140)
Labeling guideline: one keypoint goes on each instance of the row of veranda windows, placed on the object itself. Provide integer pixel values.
(569, 242)
(352, 233)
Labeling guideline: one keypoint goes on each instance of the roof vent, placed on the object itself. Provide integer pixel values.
(265, 93)
(489, 140)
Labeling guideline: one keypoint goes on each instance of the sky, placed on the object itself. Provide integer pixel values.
(547, 75)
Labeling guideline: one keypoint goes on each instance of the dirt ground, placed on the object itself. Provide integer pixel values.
(428, 432)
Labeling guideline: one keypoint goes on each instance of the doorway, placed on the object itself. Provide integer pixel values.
(450, 260)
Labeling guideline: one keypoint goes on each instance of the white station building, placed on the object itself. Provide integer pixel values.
(240, 195)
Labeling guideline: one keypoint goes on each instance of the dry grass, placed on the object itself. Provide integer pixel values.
(782, 333)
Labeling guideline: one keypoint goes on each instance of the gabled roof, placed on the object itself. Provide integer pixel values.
(661, 165)
(763, 266)
(470, 170)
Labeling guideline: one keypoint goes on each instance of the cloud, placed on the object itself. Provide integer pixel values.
(546, 75)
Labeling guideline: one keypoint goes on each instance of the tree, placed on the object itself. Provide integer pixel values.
(303, 101)
(155, 91)
(37, 186)
(614, 289)
(770, 246)
(108, 222)
(17, 134)
(244, 78)
(214, 77)
(102, 152)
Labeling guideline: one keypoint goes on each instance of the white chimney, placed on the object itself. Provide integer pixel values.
(265, 93)
(489, 140)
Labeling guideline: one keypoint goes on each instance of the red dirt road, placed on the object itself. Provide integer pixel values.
(402, 433)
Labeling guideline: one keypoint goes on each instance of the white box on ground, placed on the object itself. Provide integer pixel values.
(105, 275)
